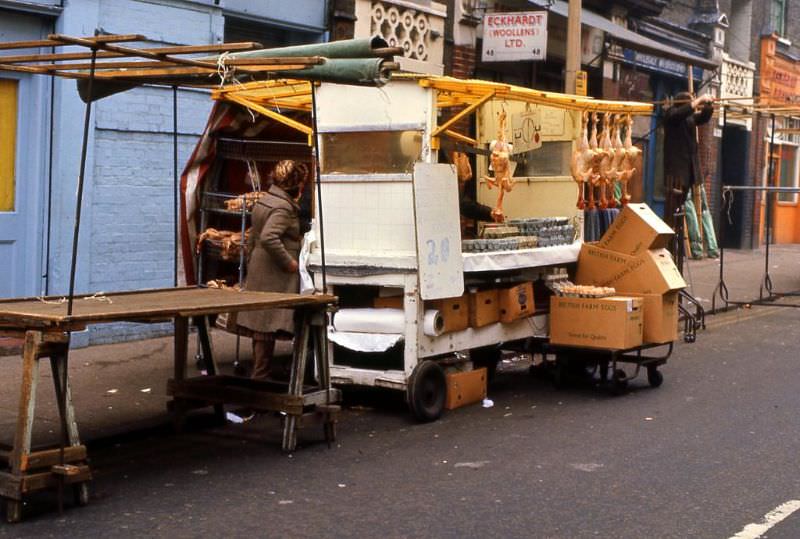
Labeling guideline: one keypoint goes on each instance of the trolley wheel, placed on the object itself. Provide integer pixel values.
(619, 383)
(427, 389)
(488, 357)
(654, 377)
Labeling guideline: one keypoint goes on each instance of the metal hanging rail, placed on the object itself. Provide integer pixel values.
(766, 294)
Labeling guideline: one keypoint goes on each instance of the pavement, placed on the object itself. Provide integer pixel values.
(119, 395)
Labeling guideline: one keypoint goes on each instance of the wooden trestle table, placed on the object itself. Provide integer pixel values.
(46, 327)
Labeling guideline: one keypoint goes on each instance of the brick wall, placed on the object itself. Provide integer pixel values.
(462, 61)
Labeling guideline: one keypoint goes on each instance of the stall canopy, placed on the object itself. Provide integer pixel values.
(271, 97)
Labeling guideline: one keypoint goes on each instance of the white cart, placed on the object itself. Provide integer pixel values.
(391, 225)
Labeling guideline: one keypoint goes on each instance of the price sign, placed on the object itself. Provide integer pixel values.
(509, 37)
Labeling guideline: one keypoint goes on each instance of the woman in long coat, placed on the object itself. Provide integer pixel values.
(272, 251)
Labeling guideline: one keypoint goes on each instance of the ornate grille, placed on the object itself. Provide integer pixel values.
(402, 27)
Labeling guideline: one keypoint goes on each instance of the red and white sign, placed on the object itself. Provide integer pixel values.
(508, 37)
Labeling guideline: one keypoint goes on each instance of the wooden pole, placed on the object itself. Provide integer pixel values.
(696, 195)
(573, 45)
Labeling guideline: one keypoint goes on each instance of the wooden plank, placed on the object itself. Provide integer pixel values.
(150, 68)
(27, 402)
(10, 486)
(51, 457)
(53, 42)
(224, 394)
(143, 305)
(324, 396)
(45, 480)
(155, 74)
(181, 49)
(143, 53)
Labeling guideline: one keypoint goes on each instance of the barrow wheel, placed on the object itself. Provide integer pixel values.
(620, 382)
(654, 377)
(427, 390)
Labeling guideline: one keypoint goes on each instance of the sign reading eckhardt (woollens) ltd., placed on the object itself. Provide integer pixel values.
(515, 36)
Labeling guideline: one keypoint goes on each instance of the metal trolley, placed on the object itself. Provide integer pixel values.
(602, 367)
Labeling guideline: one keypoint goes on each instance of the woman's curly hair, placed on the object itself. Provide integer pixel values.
(289, 174)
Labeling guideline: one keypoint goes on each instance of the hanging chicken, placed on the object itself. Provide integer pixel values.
(597, 157)
(581, 164)
(632, 161)
(606, 161)
(617, 160)
(501, 165)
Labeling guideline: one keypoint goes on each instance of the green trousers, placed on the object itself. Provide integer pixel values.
(709, 235)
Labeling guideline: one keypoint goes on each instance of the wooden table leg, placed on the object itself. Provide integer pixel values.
(296, 379)
(59, 365)
(319, 333)
(181, 356)
(209, 364)
(27, 406)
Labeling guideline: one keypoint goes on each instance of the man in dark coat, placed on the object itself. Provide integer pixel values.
(273, 247)
(681, 162)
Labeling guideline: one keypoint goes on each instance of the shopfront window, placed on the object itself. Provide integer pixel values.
(777, 15)
(788, 173)
(8, 143)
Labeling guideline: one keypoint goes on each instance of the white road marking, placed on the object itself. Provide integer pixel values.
(755, 530)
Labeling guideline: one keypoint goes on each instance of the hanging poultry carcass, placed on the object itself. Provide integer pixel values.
(597, 158)
(501, 165)
(632, 161)
(606, 161)
(581, 163)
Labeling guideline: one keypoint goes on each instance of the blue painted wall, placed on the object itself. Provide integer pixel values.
(126, 239)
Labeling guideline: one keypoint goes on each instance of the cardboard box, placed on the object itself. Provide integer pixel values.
(465, 388)
(516, 302)
(483, 308)
(388, 302)
(613, 323)
(660, 317)
(455, 312)
(651, 272)
(635, 230)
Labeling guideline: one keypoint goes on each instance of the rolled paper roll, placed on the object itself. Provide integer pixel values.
(376, 320)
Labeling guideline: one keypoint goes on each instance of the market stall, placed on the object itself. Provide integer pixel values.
(418, 299)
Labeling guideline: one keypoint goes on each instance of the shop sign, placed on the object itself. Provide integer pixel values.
(526, 130)
(780, 77)
(509, 37)
(659, 64)
(581, 83)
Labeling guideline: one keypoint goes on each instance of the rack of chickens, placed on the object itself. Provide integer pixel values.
(602, 160)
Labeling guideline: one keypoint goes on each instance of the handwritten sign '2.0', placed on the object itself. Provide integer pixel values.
(439, 260)
(508, 37)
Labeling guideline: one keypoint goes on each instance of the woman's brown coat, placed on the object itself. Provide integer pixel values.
(273, 245)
